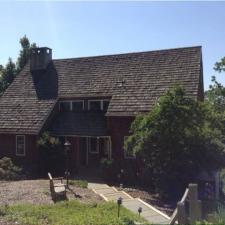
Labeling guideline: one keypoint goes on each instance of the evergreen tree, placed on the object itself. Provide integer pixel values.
(24, 52)
(8, 74)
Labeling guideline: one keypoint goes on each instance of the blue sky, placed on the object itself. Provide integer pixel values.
(74, 29)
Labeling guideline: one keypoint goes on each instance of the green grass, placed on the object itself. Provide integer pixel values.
(68, 213)
(79, 183)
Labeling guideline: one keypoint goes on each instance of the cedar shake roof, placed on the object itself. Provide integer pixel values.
(86, 124)
(133, 81)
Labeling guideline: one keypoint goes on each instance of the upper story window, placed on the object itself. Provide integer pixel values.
(105, 105)
(77, 106)
(20, 145)
(98, 105)
(65, 106)
(94, 105)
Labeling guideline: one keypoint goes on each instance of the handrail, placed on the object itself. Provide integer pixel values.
(183, 199)
(185, 195)
(194, 212)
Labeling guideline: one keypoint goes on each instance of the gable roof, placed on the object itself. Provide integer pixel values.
(133, 81)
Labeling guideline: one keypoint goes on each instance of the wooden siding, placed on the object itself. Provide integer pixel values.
(118, 128)
(8, 148)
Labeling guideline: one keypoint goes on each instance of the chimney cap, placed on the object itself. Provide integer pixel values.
(40, 58)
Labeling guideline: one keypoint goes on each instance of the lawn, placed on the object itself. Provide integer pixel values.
(68, 213)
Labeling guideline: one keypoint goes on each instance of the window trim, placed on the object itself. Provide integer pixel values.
(71, 107)
(24, 150)
(89, 146)
(97, 100)
(71, 103)
(124, 151)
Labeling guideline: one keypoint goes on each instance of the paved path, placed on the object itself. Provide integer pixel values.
(151, 214)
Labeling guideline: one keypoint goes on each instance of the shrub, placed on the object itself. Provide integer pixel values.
(51, 154)
(178, 138)
(110, 170)
(9, 171)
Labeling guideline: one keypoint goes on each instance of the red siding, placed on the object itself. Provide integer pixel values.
(118, 128)
(8, 148)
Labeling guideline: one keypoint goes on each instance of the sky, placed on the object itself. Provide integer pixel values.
(76, 29)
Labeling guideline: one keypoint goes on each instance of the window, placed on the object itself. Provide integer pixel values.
(105, 105)
(94, 105)
(94, 145)
(128, 155)
(104, 146)
(98, 105)
(65, 106)
(20, 145)
(77, 106)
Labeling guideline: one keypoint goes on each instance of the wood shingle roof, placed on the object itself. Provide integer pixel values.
(134, 81)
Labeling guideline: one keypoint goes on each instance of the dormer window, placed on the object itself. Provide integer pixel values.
(77, 106)
(65, 106)
(98, 105)
(94, 105)
(105, 105)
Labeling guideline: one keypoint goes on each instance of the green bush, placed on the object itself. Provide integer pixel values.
(178, 139)
(9, 171)
(110, 170)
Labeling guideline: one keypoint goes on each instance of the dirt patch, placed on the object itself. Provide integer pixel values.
(37, 192)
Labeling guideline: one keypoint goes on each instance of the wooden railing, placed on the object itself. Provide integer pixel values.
(188, 210)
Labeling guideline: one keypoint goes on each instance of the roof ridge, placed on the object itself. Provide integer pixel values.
(129, 53)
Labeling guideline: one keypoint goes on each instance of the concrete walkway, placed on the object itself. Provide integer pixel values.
(151, 214)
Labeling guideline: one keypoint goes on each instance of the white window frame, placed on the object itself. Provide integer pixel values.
(71, 107)
(98, 100)
(125, 152)
(24, 150)
(89, 146)
(71, 103)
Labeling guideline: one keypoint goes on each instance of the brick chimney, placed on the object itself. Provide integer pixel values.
(40, 58)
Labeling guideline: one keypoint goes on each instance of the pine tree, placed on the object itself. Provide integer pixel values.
(24, 53)
(8, 74)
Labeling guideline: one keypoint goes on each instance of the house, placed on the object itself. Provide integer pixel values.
(90, 101)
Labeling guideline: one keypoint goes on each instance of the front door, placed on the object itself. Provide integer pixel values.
(93, 149)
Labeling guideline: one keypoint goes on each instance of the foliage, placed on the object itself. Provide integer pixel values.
(9, 171)
(24, 52)
(177, 139)
(7, 75)
(219, 216)
(9, 72)
(72, 212)
(216, 96)
(220, 66)
(47, 141)
(79, 183)
(51, 154)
